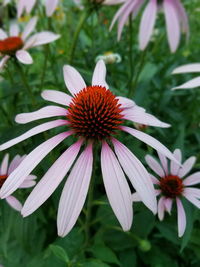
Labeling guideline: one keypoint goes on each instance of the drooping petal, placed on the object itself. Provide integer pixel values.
(46, 112)
(20, 7)
(99, 74)
(29, 28)
(182, 17)
(163, 161)
(174, 167)
(57, 97)
(117, 188)
(27, 184)
(75, 192)
(168, 204)
(136, 197)
(192, 199)
(161, 208)
(73, 80)
(14, 29)
(181, 218)
(149, 140)
(42, 38)
(193, 192)
(14, 163)
(3, 62)
(189, 85)
(36, 130)
(137, 174)
(186, 166)
(51, 180)
(14, 203)
(24, 57)
(189, 68)
(125, 102)
(154, 165)
(4, 165)
(147, 23)
(172, 22)
(16, 178)
(192, 179)
(154, 179)
(29, 5)
(3, 34)
(50, 7)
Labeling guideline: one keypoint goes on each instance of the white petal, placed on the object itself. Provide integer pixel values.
(186, 166)
(50, 7)
(16, 178)
(164, 162)
(137, 174)
(154, 165)
(168, 205)
(24, 57)
(192, 199)
(29, 28)
(73, 80)
(189, 68)
(117, 188)
(42, 38)
(4, 165)
(181, 218)
(14, 163)
(14, 29)
(161, 208)
(3, 62)
(57, 97)
(51, 180)
(125, 102)
(3, 34)
(14, 203)
(189, 85)
(192, 179)
(75, 192)
(99, 75)
(174, 167)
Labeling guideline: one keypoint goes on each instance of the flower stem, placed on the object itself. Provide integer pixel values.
(81, 22)
(130, 52)
(46, 56)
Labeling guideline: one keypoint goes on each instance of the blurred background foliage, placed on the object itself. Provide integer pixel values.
(33, 241)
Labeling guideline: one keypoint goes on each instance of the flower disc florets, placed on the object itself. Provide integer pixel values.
(94, 113)
(2, 179)
(10, 45)
(171, 186)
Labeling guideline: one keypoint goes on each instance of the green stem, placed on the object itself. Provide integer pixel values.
(81, 22)
(46, 56)
(130, 52)
(140, 67)
(24, 81)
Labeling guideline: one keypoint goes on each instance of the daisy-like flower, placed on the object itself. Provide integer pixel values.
(92, 114)
(16, 43)
(173, 184)
(189, 68)
(5, 170)
(28, 5)
(175, 17)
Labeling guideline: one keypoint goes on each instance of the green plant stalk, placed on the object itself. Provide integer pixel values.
(81, 22)
(130, 52)
(46, 57)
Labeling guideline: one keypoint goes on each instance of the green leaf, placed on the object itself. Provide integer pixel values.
(104, 253)
(94, 263)
(60, 253)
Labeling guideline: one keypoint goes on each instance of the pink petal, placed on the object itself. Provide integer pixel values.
(137, 174)
(168, 205)
(136, 197)
(192, 199)
(117, 188)
(73, 80)
(3, 34)
(14, 203)
(36, 130)
(189, 68)
(14, 29)
(163, 162)
(29, 28)
(181, 218)
(161, 208)
(189, 85)
(24, 57)
(174, 167)
(193, 192)
(113, 2)
(149, 140)
(57, 97)
(125, 102)
(27, 184)
(147, 23)
(46, 112)
(192, 179)
(186, 166)
(17, 177)
(154, 165)
(75, 192)
(182, 17)
(20, 7)
(172, 22)
(50, 7)
(51, 180)
(4, 165)
(42, 38)
(99, 75)
(154, 179)
(3, 62)
(29, 5)
(14, 163)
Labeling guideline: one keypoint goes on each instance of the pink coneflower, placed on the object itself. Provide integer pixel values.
(175, 17)
(28, 5)
(15, 43)
(173, 185)
(93, 114)
(189, 68)
(5, 170)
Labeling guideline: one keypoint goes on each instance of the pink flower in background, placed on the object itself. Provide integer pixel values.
(189, 68)
(175, 17)
(28, 5)
(5, 170)
(173, 184)
(92, 114)
(16, 43)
